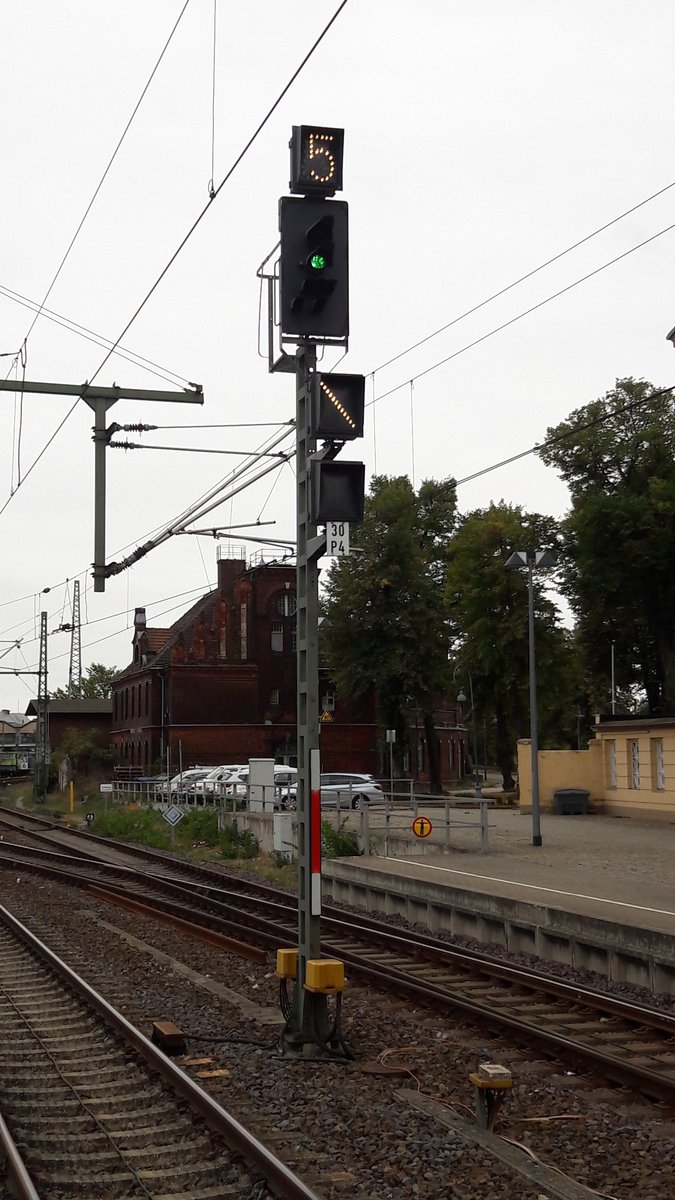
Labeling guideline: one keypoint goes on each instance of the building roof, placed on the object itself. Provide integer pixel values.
(615, 724)
(12, 720)
(75, 706)
(156, 638)
(162, 640)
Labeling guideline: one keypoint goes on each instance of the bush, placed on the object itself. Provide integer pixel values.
(236, 843)
(199, 825)
(338, 843)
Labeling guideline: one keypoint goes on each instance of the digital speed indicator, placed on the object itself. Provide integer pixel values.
(316, 160)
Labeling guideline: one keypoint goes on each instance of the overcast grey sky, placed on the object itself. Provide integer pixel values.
(482, 137)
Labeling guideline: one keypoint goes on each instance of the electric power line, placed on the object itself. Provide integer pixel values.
(90, 335)
(526, 312)
(528, 275)
(109, 165)
(194, 225)
(222, 183)
(561, 437)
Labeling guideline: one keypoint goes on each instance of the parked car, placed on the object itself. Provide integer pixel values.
(217, 776)
(181, 782)
(350, 789)
(284, 782)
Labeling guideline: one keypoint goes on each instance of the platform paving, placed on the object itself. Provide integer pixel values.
(612, 867)
(599, 893)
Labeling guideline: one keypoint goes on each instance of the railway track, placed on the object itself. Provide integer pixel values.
(91, 1107)
(626, 1043)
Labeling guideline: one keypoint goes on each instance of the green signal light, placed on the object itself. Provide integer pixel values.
(317, 262)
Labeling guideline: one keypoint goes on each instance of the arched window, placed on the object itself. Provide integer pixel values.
(287, 605)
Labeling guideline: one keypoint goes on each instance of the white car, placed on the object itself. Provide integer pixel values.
(180, 783)
(348, 789)
(284, 783)
(217, 776)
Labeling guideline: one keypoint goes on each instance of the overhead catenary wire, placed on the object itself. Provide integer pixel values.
(242, 153)
(90, 335)
(282, 430)
(522, 278)
(108, 166)
(561, 437)
(193, 449)
(526, 313)
(194, 225)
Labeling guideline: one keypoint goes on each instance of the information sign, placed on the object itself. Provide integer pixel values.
(173, 814)
(422, 827)
(105, 787)
(337, 539)
(89, 817)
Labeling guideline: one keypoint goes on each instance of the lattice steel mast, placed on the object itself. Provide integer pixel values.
(75, 668)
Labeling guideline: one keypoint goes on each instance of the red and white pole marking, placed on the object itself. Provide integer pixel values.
(315, 825)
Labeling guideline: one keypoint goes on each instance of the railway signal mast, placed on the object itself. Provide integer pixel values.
(313, 308)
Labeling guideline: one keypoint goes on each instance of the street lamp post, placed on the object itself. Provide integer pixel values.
(531, 559)
(461, 699)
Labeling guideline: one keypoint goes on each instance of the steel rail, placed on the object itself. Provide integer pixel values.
(23, 1187)
(282, 931)
(418, 944)
(279, 1177)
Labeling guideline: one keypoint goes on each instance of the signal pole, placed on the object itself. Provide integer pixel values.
(313, 307)
(310, 1009)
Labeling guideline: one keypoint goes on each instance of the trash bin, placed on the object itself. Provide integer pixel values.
(571, 802)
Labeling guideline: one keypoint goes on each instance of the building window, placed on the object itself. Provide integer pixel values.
(274, 698)
(147, 698)
(287, 605)
(328, 702)
(294, 639)
(243, 631)
(277, 641)
(658, 765)
(610, 762)
(634, 754)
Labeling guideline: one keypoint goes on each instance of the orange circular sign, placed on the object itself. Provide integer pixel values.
(422, 827)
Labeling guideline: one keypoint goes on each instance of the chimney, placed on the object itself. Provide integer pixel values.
(229, 569)
(139, 620)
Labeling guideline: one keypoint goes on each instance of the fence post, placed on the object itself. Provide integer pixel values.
(386, 834)
(447, 824)
(414, 806)
(365, 830)
(483, 827)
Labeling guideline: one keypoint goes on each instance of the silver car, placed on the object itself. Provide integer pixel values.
(344, 789)
(348, 790)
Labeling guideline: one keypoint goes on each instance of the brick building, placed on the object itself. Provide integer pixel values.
(219, 685)
(86, 715)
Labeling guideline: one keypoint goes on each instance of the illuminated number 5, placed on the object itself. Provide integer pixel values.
(319, 148)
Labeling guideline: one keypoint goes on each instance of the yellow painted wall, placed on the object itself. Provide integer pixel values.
(590, 769)
(559, 769)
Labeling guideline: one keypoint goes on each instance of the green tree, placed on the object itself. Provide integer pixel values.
(387, 630)
(85, 750)
(617, 455)
(96, 684)
(488, 606)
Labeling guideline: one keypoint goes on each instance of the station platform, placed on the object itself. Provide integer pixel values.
(599, 893)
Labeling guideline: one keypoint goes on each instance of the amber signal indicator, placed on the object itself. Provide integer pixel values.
(316, 160)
